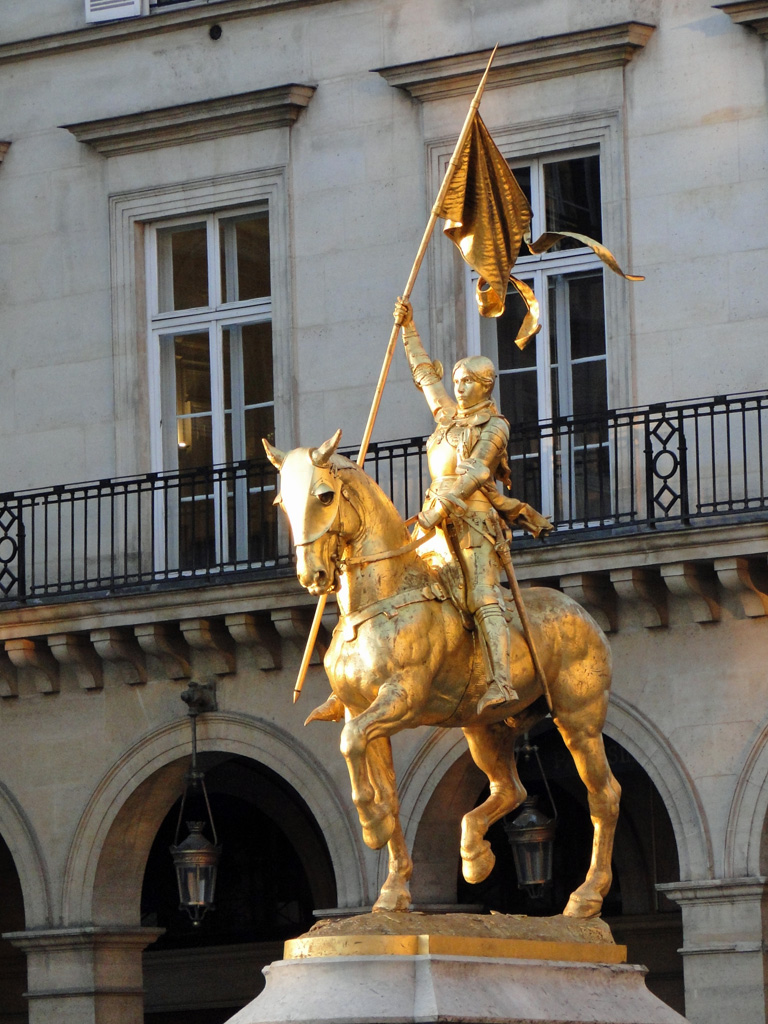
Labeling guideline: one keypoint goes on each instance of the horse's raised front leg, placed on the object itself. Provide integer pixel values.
(395, 893)
(492, 750)
(588, 752)
(377, 810)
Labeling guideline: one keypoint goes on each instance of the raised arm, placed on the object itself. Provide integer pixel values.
(427, 376)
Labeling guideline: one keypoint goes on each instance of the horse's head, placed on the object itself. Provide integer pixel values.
(310, 492)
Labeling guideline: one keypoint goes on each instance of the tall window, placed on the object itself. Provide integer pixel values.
(561, 375)
(211, 357)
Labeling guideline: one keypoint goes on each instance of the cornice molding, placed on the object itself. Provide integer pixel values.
(158, 21)
(529, 61)
(749, 13)
(277, 107)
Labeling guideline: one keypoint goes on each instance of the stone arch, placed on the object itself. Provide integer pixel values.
(745, 854)
(653, 752)
(106, 860)
(21, 840)
(438, 788)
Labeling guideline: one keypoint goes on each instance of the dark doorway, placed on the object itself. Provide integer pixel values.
(275, 870)
(13, 963)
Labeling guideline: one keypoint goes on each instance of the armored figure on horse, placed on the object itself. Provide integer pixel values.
(402, 656)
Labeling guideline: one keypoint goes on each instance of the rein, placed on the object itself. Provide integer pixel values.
(380, 556)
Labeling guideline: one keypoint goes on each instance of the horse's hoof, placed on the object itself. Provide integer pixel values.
(399, 902)
(477, 867)
(378, 833)
(583, 906)
(331, 710)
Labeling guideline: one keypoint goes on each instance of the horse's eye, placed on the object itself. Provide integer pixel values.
(325, 497)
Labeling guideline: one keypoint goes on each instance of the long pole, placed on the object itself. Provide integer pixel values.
(389, 355)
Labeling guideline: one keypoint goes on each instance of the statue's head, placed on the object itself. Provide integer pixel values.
(473, 380)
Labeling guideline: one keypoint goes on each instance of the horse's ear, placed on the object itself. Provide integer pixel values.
(275, 456)
(321, 455)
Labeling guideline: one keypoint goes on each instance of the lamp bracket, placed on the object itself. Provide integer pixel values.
(200, 698)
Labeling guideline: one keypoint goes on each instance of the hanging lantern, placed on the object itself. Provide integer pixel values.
(196, 859)
(531, 835)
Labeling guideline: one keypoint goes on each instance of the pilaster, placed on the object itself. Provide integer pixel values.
(723, 951)
(85, 975)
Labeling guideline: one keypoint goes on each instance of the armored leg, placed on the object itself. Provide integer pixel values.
(495, 633)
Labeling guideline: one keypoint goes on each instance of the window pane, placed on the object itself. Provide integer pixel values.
(193, 373)
(259, 423)
(587, 314)
(507, 326)
(244, 255)
(257, 363)
(589, 388)
(193, 400)
(248, 382)
(572, 196)
(519, 397)
(182, 267)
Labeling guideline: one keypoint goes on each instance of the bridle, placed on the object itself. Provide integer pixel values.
(335, 528)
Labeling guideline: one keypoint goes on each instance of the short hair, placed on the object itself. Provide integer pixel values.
(480, 369)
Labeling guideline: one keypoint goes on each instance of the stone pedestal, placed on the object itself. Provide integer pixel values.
(499, 971)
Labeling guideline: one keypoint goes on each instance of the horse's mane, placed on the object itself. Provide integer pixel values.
(356, 475)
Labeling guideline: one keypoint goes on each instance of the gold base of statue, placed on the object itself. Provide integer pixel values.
(466, 935)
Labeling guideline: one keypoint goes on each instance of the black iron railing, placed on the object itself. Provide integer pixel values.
(663, 466)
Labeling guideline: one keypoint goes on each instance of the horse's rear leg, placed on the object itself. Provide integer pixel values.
(588, 752)
(492, 750)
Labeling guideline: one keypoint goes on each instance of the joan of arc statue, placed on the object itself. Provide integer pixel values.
(467, 454)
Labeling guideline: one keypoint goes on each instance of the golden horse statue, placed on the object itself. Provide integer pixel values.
(401, 657)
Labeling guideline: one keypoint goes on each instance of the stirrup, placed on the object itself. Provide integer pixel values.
(497, 693)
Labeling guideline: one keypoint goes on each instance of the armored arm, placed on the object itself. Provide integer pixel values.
(427, 375)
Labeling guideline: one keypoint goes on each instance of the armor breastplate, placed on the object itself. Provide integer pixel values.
(442, 455)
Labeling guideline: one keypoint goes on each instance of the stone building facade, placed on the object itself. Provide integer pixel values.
(207, 210)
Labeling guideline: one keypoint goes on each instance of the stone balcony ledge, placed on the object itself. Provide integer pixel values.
(664, 580)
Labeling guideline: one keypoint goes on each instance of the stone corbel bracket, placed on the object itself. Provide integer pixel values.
(596, 594)
(276, 107)
(165, 643)
(75, 649)
(531, 61)
(644, 592)
(747, 579)
(749, 13)
(293, 626)
(694, 589)
(9, 678)
(120, 646)
(35, 655)
(258, 633)
(216, 646)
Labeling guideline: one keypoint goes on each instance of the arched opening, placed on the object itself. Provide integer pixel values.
(645, 853)
(275, 870)
(13, 962)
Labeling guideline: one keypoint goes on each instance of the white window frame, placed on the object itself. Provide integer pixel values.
(211, 319)
(130, 215)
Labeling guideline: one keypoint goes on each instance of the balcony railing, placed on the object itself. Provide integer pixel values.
(663, 466)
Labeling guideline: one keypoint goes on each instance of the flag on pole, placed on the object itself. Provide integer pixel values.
(488, 217)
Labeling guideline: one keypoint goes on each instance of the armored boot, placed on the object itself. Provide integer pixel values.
(495, 634)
